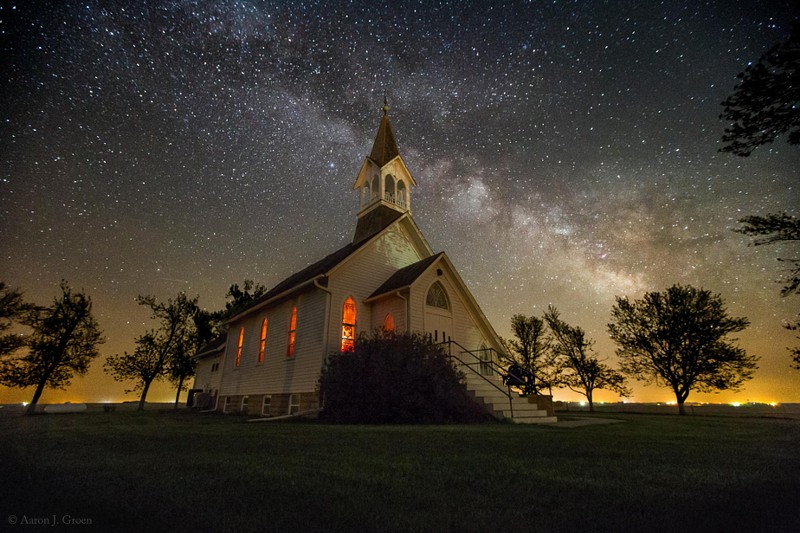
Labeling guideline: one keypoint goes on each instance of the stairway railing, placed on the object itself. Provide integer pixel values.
(481, 363)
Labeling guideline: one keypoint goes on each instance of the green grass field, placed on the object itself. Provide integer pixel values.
(154, 471)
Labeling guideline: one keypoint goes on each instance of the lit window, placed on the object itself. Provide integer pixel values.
(239, 348)
(292, 330)
(388, 322)
(348, 325)
(437, 297)
(262, 347)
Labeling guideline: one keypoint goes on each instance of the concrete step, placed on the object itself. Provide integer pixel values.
(495, 399)
(536, 420)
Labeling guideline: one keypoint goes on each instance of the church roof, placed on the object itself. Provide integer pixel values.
(212, 346)
(374, 221)
(312, 271)
(385, 147)
(405, 276)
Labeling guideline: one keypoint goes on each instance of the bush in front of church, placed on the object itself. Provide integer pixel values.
(393, 378)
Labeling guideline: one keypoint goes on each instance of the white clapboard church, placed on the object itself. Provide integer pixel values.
(387, 277)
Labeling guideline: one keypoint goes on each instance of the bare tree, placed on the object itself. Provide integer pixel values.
(63, 342)
(12, 308)
(678, 339)
(766, 102)
(149, 361)
(530, 350)
(580, 370)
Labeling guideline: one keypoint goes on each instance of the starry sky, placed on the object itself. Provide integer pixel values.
(566, 153)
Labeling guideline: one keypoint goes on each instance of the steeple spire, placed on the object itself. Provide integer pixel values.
(384, 149)
(384, 183)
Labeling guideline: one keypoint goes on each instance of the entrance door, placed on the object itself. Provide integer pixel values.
(439, 325)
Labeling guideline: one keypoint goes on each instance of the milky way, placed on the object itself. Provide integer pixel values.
(565, 153)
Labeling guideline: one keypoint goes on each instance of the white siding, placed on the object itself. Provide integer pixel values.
(364, 272)
(390, 304)
(278, 373)
(204, 378)
(466, 331)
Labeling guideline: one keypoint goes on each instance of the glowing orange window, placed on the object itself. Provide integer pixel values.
(348, 325)
(292, 329)
(388, 322)
(239, 347)
(262, 348)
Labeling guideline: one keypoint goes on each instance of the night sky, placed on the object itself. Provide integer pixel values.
(566, 152)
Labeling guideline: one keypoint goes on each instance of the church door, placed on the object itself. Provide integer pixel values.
(438, 314)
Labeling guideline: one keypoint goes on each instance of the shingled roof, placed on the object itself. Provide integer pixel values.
(312, 271)
(212, 346)
(374, 221)
(405, 276)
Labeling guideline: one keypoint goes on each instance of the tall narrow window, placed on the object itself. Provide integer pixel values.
(292, 330)
(239, 347)
(388, 322)
(262, 347)
(348, 325)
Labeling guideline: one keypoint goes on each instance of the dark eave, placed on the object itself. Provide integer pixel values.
(212, 347)
(405, 276)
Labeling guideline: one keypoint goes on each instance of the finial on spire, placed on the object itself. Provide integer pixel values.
(385, 104)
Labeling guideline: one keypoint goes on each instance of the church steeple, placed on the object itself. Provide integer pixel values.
(384, 182)
(384, 149)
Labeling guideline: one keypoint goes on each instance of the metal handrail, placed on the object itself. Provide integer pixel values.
(507, 393)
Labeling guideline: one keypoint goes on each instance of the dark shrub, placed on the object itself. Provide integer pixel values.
(395, 378)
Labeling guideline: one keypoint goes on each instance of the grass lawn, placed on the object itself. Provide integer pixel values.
(151, 471)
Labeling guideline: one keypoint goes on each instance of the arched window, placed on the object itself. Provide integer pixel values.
(388, 323)
(348, 325)
(437, 297)
(238, 360)
(388, 188)
(292, 331)
(262, 347)
(402, 200)
(376, 185)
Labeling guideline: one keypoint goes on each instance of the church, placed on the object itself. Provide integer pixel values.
(388, 277)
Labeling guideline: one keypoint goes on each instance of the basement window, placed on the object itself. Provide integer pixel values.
(294, 404)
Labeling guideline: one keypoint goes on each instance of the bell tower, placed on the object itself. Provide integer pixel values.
(384, 183)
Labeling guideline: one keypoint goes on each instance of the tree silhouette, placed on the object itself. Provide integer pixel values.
(579, 369)
(774, 228)
(766, 102)
(154, 350)
(678, 339)
(12, 308)
(63, 341)
(530, 351)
